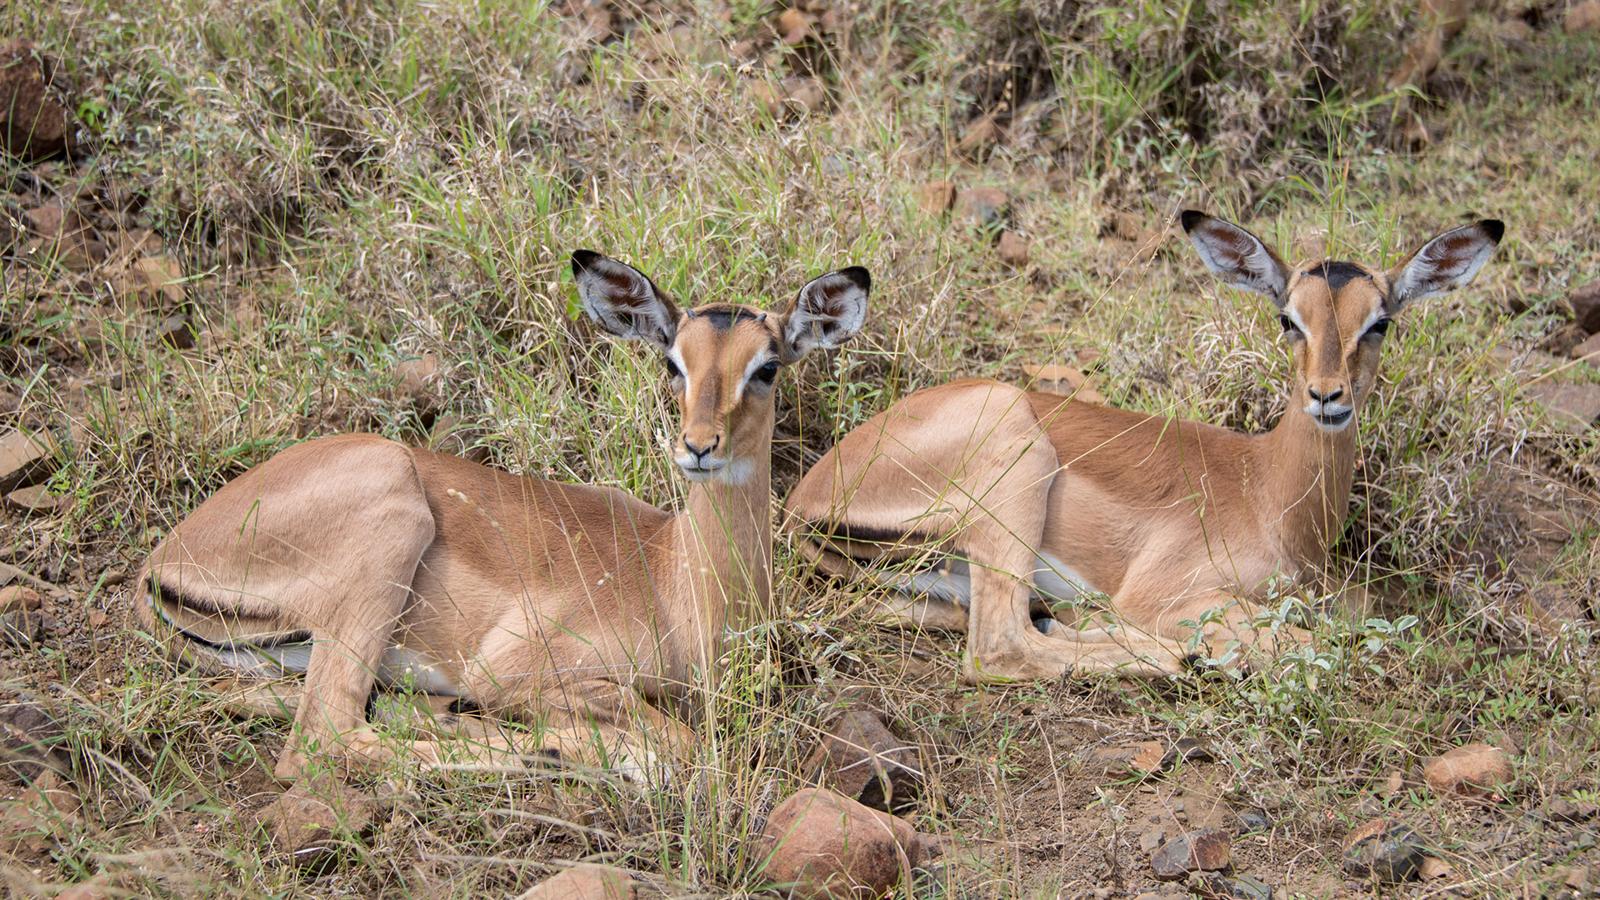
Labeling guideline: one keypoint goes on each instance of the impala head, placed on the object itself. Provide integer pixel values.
(722, 358)
(1335, 314)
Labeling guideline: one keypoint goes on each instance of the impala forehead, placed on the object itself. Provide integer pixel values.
(725, 340)
(1336, 299)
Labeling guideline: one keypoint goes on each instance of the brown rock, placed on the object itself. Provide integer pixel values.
(1013, 249)
(1206, 850)
(1584, 303)
(1433, 867)
(176, 331)
(860, 758)
(1383, 849)
(22, 628)
(1561, 809)
(793, 26)
(158, 276)
(33, 122)
(414, 378)
(36, 499)
(314, 819)
(1572, 407)
(792, 97)
(1474, 770)
(988, 207)
(1584, 16)
(25, 458)
(42, 812)
(937, 197)
(1588, 350)
(818, 844)
(980, 138)
(18, 596)
(54, 222)
(585, 882)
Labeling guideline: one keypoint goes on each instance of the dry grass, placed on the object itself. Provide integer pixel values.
(349, 186)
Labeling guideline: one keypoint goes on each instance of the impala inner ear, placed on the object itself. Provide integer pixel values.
(828, 311)
(1444, 263)
(1236, 256)
(622, 300)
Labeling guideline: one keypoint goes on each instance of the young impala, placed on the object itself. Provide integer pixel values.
(1015, 493)
(360, 561)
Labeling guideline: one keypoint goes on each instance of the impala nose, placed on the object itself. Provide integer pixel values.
(699, 451)
(1328, 397)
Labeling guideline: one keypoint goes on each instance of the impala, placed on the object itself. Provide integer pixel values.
(997, 499)
(360, 561)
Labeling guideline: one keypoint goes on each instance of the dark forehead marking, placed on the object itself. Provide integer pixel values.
(1338, 274)
(723, 316)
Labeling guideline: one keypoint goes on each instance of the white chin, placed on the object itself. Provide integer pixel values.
(698, 474)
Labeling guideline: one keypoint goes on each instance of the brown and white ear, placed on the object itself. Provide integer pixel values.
(1236, 256)
(1444, 263)
(827, 312)
(620, 299)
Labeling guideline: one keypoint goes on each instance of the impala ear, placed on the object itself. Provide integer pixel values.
(620, 299)
(1444, 263)
(827, 312)
(1236, 256)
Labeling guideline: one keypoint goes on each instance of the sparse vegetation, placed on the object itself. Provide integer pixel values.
(343, 190)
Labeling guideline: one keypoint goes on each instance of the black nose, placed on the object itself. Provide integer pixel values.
(1329, 397)
(701, 451)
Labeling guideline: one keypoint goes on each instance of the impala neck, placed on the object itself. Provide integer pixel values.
(1307, 472)
(724, 541)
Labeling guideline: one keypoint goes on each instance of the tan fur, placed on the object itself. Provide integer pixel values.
(1169, 518)
(578, 607)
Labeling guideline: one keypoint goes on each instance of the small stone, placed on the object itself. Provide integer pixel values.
(1584, 16)
(1070, 382)
(1206, 850)
(1383, 849)
(414, 378)
(1584, 302)
(980, 137)
(20, 597)
(1147, 757)
(1578, 877)
(937, 197)
(1392, 785)
(36, 499)
(159, 276)
(25, 458)
(22, 628)
(1588, 350)
(793, 26)
(40, 814)
(314, 818)
(1561, 809)
(823, 845)
(1252, 822)
(1473, 770)
(1013, 249)
(1151, 838)
(1244, 887)
(986, 207)
(1572, 407)
(1433, 867)
(176, 332)
(792, 97)
(586, 882)
(862, 759)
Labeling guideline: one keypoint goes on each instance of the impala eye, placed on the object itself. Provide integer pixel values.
(1288, 326)
(766, 373)
(672, 368)
(1380, 327)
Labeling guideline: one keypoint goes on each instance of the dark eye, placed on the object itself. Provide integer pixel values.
(766, 373)
(1288, 325)
(1380, 327)
(672, 368)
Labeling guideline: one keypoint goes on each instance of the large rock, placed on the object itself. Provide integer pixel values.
(1572, 407)
(25, 458)
(1588, 350)
(33, 122)
(862, 759)
(1585, 305)
(584, 883)
(1385, 850)
(818, 844)
(1206, 850)
(1473, 770)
